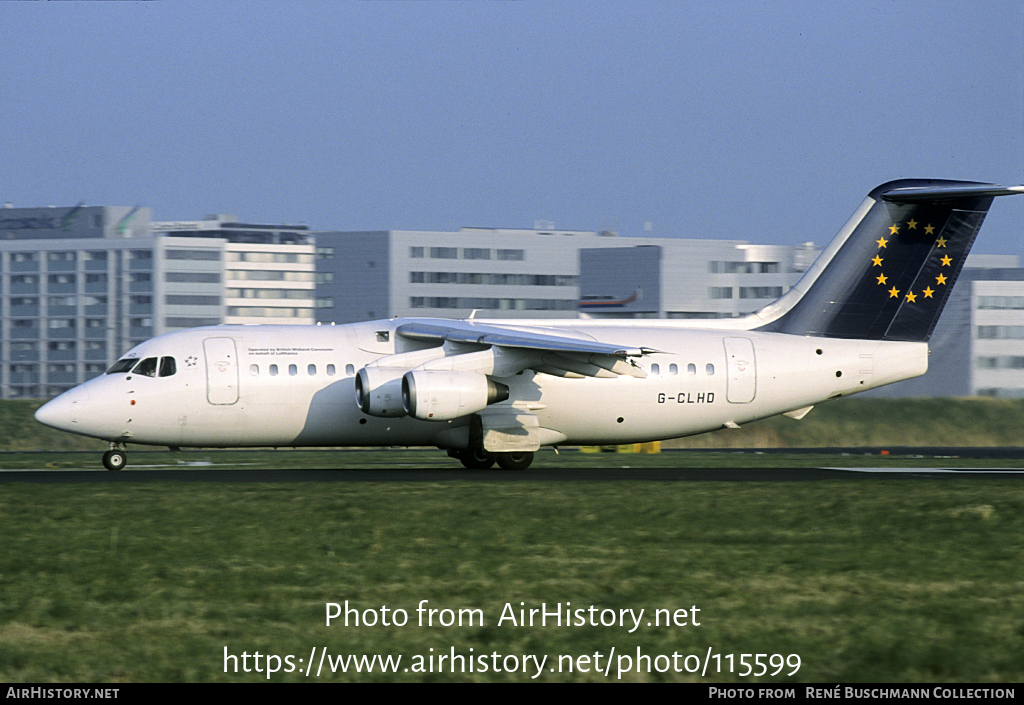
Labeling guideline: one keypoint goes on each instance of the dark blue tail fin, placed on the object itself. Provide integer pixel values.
(888, 273)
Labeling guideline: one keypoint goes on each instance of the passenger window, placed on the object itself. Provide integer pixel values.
(254, 370)
(691, 369)
(147, 367)
(311, 370)
(655, 369)
(168, 366)
(350, 370)
(710, 369)
(293, 370)
(330, 370)
(673, 369)
(273, 370)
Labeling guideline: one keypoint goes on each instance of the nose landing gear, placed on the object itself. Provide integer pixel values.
(115, 458)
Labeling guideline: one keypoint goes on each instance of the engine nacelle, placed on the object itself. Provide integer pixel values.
(379, 391)
(442, 395)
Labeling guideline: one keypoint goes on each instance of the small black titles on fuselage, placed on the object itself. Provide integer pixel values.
(687, 398)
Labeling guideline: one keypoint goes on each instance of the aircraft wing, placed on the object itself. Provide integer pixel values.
(562, 355)
(490, 334)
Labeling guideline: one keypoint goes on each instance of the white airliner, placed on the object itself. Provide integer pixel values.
(497, 391)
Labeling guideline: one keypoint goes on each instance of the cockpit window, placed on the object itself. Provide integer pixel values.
(167, 366)
(147, 367)
(122, 366)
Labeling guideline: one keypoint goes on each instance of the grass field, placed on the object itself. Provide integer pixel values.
(863, 580)
(914, 580)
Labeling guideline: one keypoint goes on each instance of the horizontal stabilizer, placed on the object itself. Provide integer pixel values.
(920, 194)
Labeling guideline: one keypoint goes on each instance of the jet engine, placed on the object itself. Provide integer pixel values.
(379, 391)
(442, 395)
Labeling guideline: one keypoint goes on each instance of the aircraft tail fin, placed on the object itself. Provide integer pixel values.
(888, 273)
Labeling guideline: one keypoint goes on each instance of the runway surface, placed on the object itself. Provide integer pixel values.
(430, 465)
(541, 475)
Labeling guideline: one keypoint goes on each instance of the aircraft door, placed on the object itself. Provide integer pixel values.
(742, 378)
(221, 370)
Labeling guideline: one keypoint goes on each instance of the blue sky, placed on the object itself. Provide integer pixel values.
(760, 121)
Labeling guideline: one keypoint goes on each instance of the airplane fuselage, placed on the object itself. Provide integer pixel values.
(294, 386)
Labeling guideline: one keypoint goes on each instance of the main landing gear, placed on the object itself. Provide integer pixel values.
(482, 460)
(514, 461)
(476, 458)
(115, 458)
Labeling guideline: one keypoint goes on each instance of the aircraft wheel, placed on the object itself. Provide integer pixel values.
(115, 459)
(514, 461)
(476, 460)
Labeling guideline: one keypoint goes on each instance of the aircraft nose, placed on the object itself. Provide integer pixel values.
(61, 412)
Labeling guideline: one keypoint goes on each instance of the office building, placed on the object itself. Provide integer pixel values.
(79, 286)
(496, 273)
